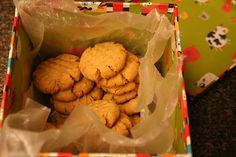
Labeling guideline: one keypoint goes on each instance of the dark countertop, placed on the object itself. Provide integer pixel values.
(212, 115)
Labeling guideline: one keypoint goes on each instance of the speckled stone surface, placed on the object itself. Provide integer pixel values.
(6, 19)
(212, 115)
(213, 119)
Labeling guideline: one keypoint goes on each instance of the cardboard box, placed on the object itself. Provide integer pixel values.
(13, 88)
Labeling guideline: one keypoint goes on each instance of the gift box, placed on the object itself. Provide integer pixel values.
(209, 50)
(14, 88)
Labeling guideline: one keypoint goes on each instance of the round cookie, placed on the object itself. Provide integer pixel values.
(120, 89)
(63, 107)
(120, 98)
(56, 74)
(129, 107)
(65, 95)
(95, 94)
(104, 60)
(83, 87)
(128, 74)
(70, 66)
(107, 112)
(50, 81)
(123, 125)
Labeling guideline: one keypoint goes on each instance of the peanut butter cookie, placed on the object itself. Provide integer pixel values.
(104, 60)
(129, 107)
(95, 94)
(83, 87)
(57, 74)
(119, 90)
(107, 112)
(63, 107)
(123, 125)
(128, 74)
(120, 98)
(65, 95)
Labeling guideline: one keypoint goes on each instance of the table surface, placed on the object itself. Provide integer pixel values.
(212, 115)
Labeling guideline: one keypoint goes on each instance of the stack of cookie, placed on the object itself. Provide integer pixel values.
(110, 115)
(61, 78)
(105, 78)
(115, 70)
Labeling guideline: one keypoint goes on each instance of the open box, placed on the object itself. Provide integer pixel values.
(13, 89)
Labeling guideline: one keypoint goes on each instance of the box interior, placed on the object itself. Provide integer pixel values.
(21, 81)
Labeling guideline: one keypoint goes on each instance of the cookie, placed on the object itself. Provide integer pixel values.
(107, 112)
(118, 80)
(129, 107)
(121, 89)
(123, 125)
(135, 119)
(65, 95)
(83, 87)
(104, 60)
(95, 94)
(56, 74)
(63, 107)
(69, 66)
(131, 68)
(68, 57)
(120, 98)
(128, 74)
(50, 81)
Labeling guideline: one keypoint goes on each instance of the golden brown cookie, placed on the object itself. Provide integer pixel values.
(107, 112)
(71, 67)
(56, 74)
(135, 119)
(123, 125)
(115, 81)
(128, 74)
(120, 98)
(132, 67)
(119, 90)
(104, 60)
(63, 107)
(65, 95)
(67, 107)
(48, 81)
(95, 94)
(68, 57)
(129, 107)
(83, 87)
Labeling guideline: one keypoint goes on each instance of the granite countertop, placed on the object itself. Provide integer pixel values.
(212, 115)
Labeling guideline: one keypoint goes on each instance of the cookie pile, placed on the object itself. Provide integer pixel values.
(61, 77)
(115, 70)
(105, 78)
